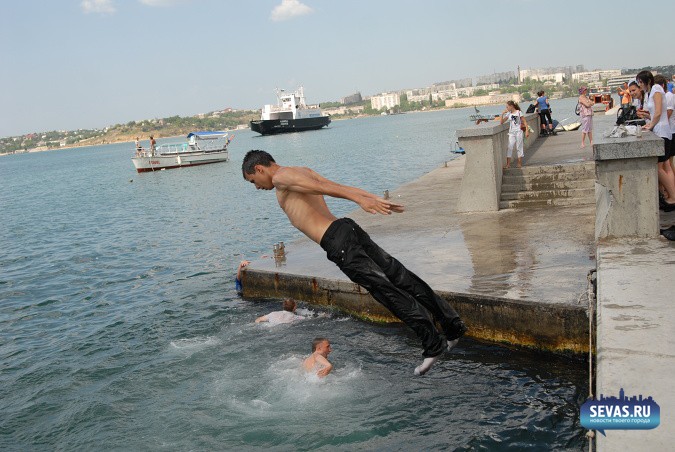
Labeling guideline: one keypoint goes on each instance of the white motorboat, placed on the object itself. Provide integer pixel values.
(201, 148)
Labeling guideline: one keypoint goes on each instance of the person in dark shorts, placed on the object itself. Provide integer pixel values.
(545, 114)
(300, 192)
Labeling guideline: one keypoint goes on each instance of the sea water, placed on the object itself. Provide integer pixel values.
(120, 327)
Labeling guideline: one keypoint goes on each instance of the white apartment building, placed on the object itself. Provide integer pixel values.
(385, 100)
(595, 76)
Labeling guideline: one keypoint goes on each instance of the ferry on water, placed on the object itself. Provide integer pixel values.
(201, 148)
(291, 114)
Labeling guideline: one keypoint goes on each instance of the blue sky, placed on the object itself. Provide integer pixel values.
(72, 64)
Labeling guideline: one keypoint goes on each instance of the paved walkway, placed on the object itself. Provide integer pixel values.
(636, 334)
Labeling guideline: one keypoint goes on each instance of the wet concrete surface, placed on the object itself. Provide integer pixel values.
(540, 254)
(517, 276)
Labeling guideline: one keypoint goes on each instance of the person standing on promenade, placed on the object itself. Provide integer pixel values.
(517, 123)
(544, 113)
(318, 361)
(655, 111)
(586, 116)
(636, 94)
(624, 95)
(300, 193)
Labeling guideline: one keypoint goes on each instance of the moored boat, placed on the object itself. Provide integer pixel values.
(291, 114)
(201, 148)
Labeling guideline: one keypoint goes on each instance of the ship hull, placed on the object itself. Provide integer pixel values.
(169, 161)
(276, 126)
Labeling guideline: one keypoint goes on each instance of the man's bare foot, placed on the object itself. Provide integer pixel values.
(425, 366)
(583, 145)
(452, 344)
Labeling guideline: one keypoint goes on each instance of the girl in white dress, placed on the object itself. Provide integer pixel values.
(517, 124)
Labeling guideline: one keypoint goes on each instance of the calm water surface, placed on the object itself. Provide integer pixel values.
(120, 327)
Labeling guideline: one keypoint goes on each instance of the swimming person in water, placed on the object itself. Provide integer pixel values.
(318, 362)
(300, 192)
(286, 316)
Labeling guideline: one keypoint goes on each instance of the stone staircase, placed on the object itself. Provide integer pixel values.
(552, 185)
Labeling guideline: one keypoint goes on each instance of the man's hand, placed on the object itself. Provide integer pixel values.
(377, 205)
(324, 371)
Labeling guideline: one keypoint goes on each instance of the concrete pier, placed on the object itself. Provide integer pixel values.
(515, 276)
(519, 276)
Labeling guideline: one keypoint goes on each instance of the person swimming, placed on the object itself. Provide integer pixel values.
(318, 362)
(286, 316)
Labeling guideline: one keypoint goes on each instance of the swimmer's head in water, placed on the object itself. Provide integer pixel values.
(319, 342)
(289, 305)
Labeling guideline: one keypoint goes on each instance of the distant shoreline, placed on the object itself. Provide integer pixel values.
(131, 139)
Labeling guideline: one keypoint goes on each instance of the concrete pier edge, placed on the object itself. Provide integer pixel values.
(562, 329)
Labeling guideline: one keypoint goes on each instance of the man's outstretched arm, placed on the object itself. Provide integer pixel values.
(305, 180)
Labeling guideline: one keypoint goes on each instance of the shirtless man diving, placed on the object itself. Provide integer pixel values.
(300, 192)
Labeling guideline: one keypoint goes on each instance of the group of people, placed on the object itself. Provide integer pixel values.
(653, 97)
(316, 363)
(300, 193)
(139, 147)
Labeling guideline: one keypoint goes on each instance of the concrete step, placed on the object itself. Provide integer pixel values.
(549, 185)
(547, 178)
(560, 184)
(548, 169)
(557, 202)
(509, 177)
(586, 193)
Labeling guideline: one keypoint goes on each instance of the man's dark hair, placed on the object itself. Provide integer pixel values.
(659, 79)
(253, 158)
(317, 341)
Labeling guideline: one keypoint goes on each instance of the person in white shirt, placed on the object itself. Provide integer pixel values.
(655, 112)
(670, 110)
(517, 124)
(286, 316)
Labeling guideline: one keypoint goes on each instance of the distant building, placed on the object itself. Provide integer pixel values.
(461, 83)
(491, 99)
(595, 76)
(539, 73)
(619, 80)
(470, 90)
(418, 95)
(343, 110)
(385, 100)
(352, 99)
(497, 77)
